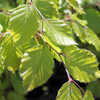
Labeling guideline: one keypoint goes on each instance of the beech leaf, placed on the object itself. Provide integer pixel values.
(69, 92)
(36, 66)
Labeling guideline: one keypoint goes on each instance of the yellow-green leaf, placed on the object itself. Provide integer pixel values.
(69, 92)
(36, 66)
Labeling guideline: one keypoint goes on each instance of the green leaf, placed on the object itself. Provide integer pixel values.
(21, 1)
(12, 61)
(4, 1)
(2, 98)
(93, 39)
(69, 92)
(79, 31)
(15, 96)
(16, 82)
(54, 54)
(1, 27)
(75, 5)
(94, 87)
(82, 65)
(67, 48)
(23, 24)
(36, 66)
(3, 21)
(1, 62)
(47, 8)
(92, 1)
(88, 95)
(90, 15)
(58, 33)
(86, 34)
(56, 3)
(22, 48)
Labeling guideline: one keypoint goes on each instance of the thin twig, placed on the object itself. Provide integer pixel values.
(65, 67)
(77, 23)
(5, 11)
(69, 78)
(59, 56)
(78, 86)
(37, 10)
(73, 21)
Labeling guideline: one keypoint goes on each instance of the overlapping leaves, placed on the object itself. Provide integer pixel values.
(86, 34)
(23, 23)
(3, 21)
(37, 62)
(58, 33)
(11, 60)
(82, 65)
(36, 66)
(88, 96)
(47, 8)
(69, 92)
(75, 5)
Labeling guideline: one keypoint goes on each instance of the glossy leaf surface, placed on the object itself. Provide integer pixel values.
(58, 33)
(69, 92)
(36, 66)
(86, 35)
(3, 21)
(54, 54)
(75, 5)
(12, 61)
(82, 65)
(23, 24)
(45, 5)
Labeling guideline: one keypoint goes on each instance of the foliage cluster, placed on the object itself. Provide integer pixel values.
(34, 32)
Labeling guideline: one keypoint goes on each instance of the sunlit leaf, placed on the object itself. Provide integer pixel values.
(69, 92)
(82, 65)
(88, 95)
(47, 8)
(58, 33)
(23, 23)
(21, 1)
(92, 39)
(36, 67)
(1, 27)
(3, 21)
(56, 3)
(54, 54)
(22, 48)
(12, 61)
(75, 5)
(86, 35)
